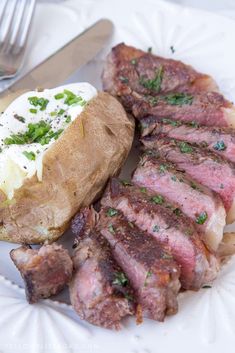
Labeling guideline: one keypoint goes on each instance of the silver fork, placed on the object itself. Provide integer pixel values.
(15, 20)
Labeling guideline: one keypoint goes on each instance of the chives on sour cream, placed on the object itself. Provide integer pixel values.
(30, 124)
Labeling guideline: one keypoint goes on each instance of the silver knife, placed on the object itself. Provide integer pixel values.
(63, 63)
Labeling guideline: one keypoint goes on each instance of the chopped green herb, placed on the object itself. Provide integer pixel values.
(219, 146)
(33, 111)
(172, 49)
(112, 212)
(111, 229)
(40, 132)
(126, 183)
(153, 84)
(171, 122)
(174, 178)
(59, 96)
(30, 155)
(123, 79)
(72, 99)
(194, 124)
(167, 256)
(153, 101)
(19, 118)
(143, 190)
(133, 61)
(53, 113)
(158, 199)
(120, 279)
(68, 119)
(148, 274)
(178, 99)
(177, 211)
(128, 296)
(185, 147)
(201, 219)
(163, 168)
(41, 102)
(61, 112)
(156, 228)
(193, 185)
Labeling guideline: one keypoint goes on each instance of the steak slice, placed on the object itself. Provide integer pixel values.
(148, 265)
(45, 271)
(218, 140)
(128, 70)
(204, 166)
(99, 291)
(193, 199)
(153, 214)
(150, 85)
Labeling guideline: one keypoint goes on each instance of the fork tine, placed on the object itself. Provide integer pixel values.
(26, 24)
(17, 22)
(2, 10)
(7, 21)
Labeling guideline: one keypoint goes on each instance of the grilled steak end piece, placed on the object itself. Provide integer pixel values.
(99, 291)
(149, 266)
(45, 271)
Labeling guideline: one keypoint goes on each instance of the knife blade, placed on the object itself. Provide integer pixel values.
(58, 67)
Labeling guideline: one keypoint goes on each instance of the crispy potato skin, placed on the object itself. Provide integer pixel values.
(75, 170)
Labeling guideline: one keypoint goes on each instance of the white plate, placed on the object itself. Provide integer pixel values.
(206, 319)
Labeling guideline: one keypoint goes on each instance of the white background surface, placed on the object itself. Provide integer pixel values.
(206, 319)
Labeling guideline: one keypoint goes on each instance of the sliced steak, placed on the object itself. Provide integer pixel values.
(204, 166)
(153, 214)
(149, 266)
(192, 198)
(150, 85)
(99, 291)
(219, 140)
(128, 70)
(45, 271)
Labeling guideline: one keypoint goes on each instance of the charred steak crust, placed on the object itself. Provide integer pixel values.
(99, 291)
(149, 266)
(162, 220)
(45, 271)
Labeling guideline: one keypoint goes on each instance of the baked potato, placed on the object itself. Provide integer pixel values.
(71, 171)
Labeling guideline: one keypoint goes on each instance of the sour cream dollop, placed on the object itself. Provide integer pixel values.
(30, 124)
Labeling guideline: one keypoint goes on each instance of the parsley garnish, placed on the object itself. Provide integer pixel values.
(171, 122)
(153, 84)
(71, 98)
(158, 199)
(163, 168)
(112, 212)
(61, 112)
(120, 279)
(30, 155)
(156, 228)
(153, 101)
(144, 190)
(123, 79)
(178, 99)
(201, 219)
(111, 229)
(185, 147)
(177, 211)
(33, 111)
(68, 119)
(219, 146)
